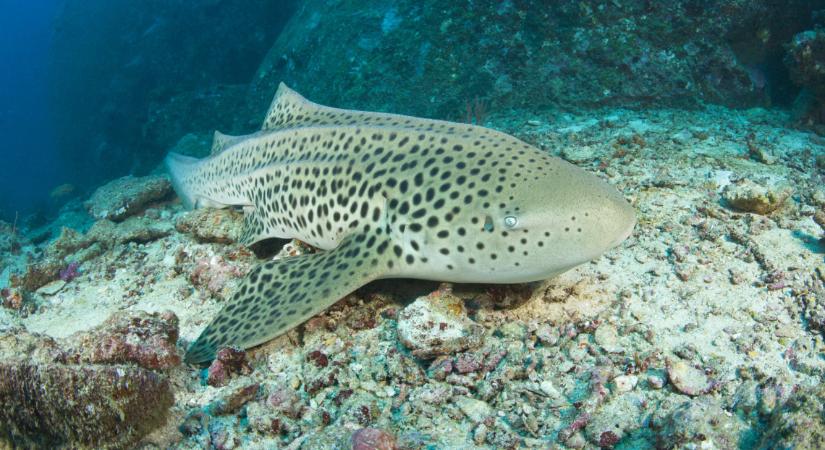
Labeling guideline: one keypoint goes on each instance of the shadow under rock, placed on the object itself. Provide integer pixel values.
(811, 242)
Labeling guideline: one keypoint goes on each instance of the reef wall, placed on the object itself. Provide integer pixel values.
(130, 80)
(433, 57)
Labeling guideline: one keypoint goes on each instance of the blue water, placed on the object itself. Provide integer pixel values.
(96, 90)
(91, 91)
(30, 169)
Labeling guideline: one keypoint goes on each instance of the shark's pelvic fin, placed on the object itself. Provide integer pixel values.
(278, 295)
(254, 226)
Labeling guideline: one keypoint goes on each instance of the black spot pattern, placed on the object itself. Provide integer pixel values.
(392, 195)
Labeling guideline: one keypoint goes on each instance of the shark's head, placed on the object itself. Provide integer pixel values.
(546, 223)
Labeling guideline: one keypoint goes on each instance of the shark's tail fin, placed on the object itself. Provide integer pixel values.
(180, 168)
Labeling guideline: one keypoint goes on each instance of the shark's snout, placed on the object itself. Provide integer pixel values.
(625, 217)
(615, 217)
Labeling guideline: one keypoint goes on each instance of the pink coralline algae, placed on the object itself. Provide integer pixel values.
(608, 439)
(287, 401)
(71, 272)
(372, 439)
(147, 340)
(213, 274)
(228, 362)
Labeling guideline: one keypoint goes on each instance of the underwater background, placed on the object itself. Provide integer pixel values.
(704, 329)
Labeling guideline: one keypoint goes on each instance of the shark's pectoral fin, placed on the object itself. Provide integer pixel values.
(278, 295)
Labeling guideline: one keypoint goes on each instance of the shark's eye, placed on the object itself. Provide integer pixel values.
(510, 221)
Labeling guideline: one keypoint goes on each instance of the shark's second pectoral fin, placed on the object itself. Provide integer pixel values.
(254, 226)
(278, 295)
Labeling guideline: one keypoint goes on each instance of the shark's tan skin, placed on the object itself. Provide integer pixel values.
(389, 196)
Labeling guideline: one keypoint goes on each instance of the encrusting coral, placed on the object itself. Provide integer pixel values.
(50, 396)
(39, 404)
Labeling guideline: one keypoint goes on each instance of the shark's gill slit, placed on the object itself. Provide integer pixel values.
(488, 224)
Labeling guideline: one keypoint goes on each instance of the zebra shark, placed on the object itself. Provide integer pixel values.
(388, 196)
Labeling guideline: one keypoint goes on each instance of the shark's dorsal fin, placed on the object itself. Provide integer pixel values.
(290, 109)
(222, 141)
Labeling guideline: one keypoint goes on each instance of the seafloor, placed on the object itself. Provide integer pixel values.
(702, 330)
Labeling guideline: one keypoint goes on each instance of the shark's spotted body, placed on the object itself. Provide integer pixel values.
(389, 196)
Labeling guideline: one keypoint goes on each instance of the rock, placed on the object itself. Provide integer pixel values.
(286, 401)
(212, 275)
(36, 348)
(127, 196)
(749, 196)
(68, 242)
(548, 335)
(700, 423)
(38, 275)
(373, 439)
(228, 362)
(576, 440)
(613, 420)
(608, 338)
(437, 325)
(682, 137)
(549, 390)
(687, 379)
(578, 154)
(235, 400)
(148, 340)
(625, 383)
(819, 218)
(221, 226)
(805, 58)
(799, 423)
(814, 302)
(475, 410)
(746, 397)
(198, 145)
(52, 288)
(655, 381)
(13, 298)
(480, 434)
(53, 405)
(817, 196)
(133, 229)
